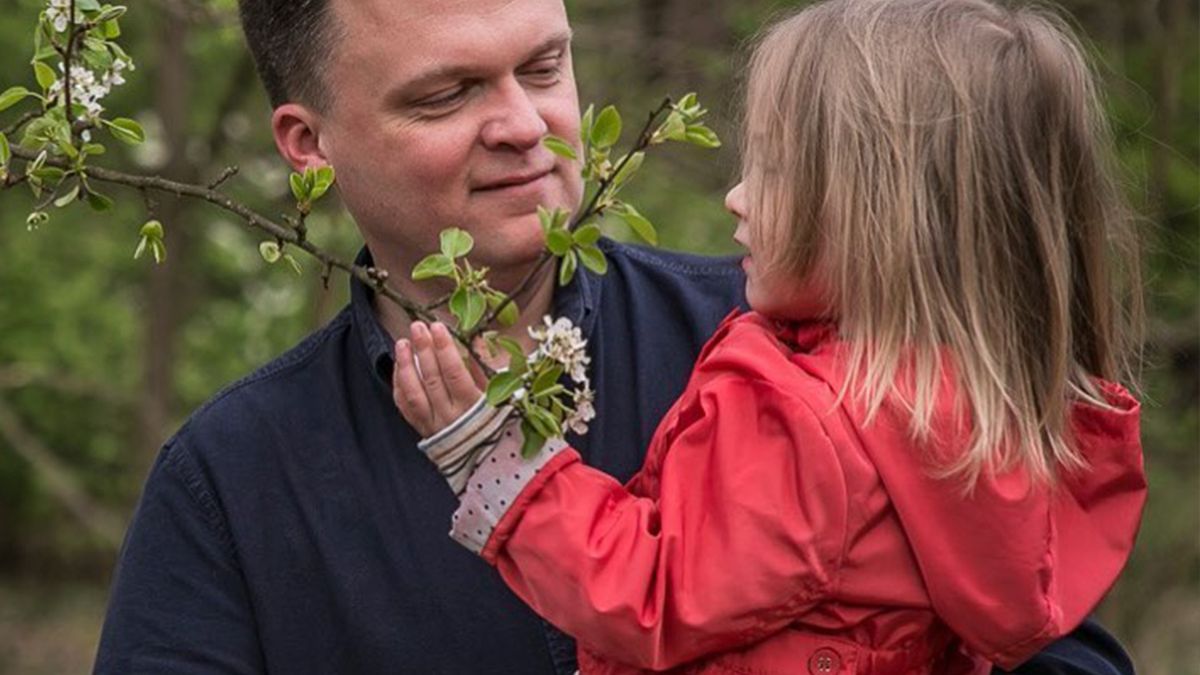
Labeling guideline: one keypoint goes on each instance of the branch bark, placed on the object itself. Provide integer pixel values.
(60, 481)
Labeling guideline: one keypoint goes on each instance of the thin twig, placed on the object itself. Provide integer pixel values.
(21, 121)
(229, 172)
(281, 233)
(590, 210)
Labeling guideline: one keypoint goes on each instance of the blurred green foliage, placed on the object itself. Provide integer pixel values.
(101, 356)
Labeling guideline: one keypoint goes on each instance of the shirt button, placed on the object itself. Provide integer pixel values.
(824, 661)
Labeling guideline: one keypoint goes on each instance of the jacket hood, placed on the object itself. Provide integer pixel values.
(1015, 564)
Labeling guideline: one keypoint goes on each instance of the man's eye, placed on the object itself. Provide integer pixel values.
(443, 99)
(547, 71)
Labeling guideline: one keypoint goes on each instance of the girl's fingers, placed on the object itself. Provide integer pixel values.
(457, 380)
(431, 375)
(408, 392)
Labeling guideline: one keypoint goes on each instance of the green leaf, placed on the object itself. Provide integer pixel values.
(560, 147)
(44, 74)
(593, 259)
(629, 169)
(297, 183)
(49, 174)
(112, 13)
(141, 248)
(688, 102)
(13, 96)
(509, 313)
(607, 131)
(99, 202)
(322, 182)
(456, 243)
(126, 130)
(87, 5)
(436, 265)
(517, 362)
(458, 304)
(160, 251)
(674, 129)
(559, 242)
(566, 270)
(270, 251)
(587, 235)
(293, 264)
(642, 227)
(5, 150)
(36, 219)
(533, 440)
(543, 422)
(111, 29)
(153, 229)
(502, 386)
(476, 308)
(586, 124)
(547, 379)
(468, 306)
(94, 149)
(701, 136)
(66, 199)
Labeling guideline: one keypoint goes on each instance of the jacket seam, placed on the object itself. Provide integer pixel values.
(174, 461)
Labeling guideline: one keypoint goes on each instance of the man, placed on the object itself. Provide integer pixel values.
(292, 526)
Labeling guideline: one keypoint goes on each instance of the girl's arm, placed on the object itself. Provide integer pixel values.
(745, 532)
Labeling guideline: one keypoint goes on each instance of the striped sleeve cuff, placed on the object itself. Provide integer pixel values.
(458, 449)
(496, 484)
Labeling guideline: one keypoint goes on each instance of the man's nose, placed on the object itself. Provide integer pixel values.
(515, 120)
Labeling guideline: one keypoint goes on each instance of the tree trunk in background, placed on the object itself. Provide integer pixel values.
(163, 315)
(652, 15)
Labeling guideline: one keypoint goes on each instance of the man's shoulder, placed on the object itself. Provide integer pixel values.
(723, 269)
(294, 384)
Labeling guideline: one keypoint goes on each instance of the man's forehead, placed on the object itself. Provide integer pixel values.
(421, 14)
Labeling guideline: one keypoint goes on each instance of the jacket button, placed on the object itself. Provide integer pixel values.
(824, 661)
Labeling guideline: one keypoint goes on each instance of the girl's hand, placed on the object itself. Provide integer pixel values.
(442, 389)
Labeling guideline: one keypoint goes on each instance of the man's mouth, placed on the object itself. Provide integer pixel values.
(516, 180)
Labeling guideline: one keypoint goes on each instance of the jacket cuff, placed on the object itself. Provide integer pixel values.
(458, 449)
(498, 482)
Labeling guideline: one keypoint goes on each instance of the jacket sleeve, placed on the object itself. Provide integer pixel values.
(1088, 650)
(746, 532)
(178, 603)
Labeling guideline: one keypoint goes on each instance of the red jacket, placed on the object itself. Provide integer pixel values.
(771, 531)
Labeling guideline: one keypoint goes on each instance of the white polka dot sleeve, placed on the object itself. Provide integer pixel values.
(493, 488)
(479, 454)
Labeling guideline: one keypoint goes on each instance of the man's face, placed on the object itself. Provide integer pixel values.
(437, 112)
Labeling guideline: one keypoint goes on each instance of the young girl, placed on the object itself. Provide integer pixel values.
(912, 456)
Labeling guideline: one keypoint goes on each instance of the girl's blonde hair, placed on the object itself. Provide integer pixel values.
(945, 167)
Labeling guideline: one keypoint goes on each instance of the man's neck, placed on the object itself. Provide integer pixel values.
(535, 301)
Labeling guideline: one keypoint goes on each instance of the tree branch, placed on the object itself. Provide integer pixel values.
(59, 480)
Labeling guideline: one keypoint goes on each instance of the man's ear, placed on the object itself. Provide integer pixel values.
(297, 131)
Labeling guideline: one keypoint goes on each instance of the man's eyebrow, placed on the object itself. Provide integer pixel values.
(451, 72)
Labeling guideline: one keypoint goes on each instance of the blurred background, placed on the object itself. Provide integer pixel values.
(102, 357)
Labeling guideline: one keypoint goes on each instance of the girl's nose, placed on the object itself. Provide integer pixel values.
(735, 201)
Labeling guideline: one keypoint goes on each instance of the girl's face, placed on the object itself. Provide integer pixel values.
(771, 292)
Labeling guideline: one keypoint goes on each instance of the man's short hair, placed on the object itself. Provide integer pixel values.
(290, 41)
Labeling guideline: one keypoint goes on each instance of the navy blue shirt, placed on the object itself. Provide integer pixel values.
(293, 527)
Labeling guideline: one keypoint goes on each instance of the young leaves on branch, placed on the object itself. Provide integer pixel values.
(532, 383)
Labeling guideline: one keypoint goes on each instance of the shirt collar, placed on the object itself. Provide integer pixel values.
(576, 301)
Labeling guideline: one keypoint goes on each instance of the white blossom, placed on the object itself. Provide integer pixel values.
(59, 14)
(585, 410)
(562, 342)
